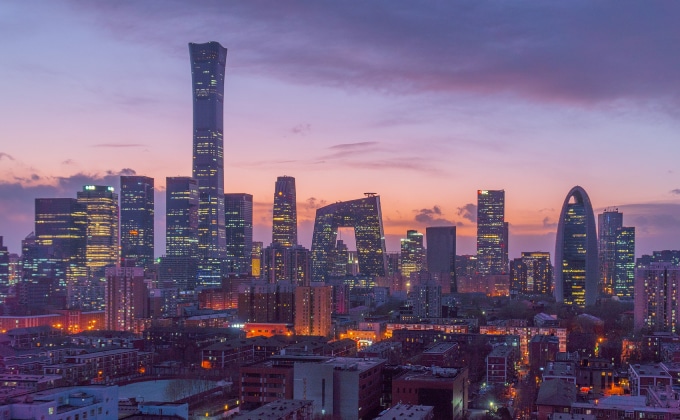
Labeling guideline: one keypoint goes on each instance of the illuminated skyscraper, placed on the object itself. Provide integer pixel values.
(607, 225)
(207, 75)
(365, 216)
(492, 233)
(4, 264)
(284, 228)
(101, 207)
(137, 219)
(576, 262)
(238, 221)
(61, 229)
(181, 217)
(624, 280)
(532, 273)
(412, 253)
(441, 253)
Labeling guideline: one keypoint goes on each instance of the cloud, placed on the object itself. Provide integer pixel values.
(531, 49)
(7, 156)
(547, 223)
(119, 145)
(676, 191)
(469, 212)
(68, 162)
(301, 129)
(431, 216)
(313, 203)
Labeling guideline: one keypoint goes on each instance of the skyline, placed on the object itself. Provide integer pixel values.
(344, 98)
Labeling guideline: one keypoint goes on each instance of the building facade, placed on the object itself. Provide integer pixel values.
(101, 208)
(181, 217)
(492, 233)
(441, 253)
(238, 220)
(576, 261)
(137, 219)
(284, 227)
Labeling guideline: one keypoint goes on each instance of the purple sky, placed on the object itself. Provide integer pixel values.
(421, 102)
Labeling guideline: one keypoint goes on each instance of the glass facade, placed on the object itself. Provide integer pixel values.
(576, 262)
(284, 217)
(238, 220)
(492, 249)
(181, 217)
(441, 252)
(365, 216)
(624, 279)
(136, 219)
(607, 225)
(207, 76)
(101, 206)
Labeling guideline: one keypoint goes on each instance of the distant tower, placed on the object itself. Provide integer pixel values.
(607, 225)
(4, 264)
(137, 219)
(284, 228)
(101, 206)
(207, 75)
(238, 221)
(412, 253)
(492, 232)
(576, 262)
(441, 252)
(624, 280)
(181, 217)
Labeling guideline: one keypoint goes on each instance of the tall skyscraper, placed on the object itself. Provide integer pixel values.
(657, 297)
(441, 253)
(365, 216)
(61, 229)
(238, 220)
(181, 217)
(284, 228)
(4, 265)
(492, 233)
(137, 219)
(412, 253)
(607, 225)
(207, 76)
(624, 280)
(576, 262)
(101, 207)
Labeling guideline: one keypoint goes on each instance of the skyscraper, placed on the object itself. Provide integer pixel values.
(532, 273)
(137, 219)
(492, 232)
(284, 228)
(657, 297)
(624, 280)
(441, 253)
(607, 225)
(207, 76)
(576, 262)
(4, 265)
(238, 220)
(101, 207)
(181, 217)
(365, 216)
(61, 229)
(412, 253)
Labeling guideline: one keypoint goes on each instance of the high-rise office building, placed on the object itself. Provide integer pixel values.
(441, 253)
(412, 253)
(492, 233)
(137, 219)
(4, 264)
(207, 76)
(283, 263)
(256, 259)
(181, 217)
(607, 225)
(101, 207)
(532, 273)
(284, 226)
(576, 262)
(624, 280)
(365, 216)
(238, 220)
(61, 229)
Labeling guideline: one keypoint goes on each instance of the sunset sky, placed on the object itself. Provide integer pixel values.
(421, 102)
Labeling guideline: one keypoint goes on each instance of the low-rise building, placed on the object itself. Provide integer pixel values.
(643, 377)
(407, 411)
(500, 365)
(444, 389)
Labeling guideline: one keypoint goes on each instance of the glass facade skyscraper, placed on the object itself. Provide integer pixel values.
(284, 227)
(492, 233)
(238, 220)
(608, 223)
(137, 219)
(207, 76)
(412, 253)
(576, 262)
(101, 206)
(365, 216)
(181, 217)
(624, 280)
(441, 252)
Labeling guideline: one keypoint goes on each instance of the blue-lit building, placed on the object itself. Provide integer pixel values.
(365, 216)
(624, 280)
(181, 217)
(492, 233)
(207, 75)
(238, 219)
(576, 261)
(137, 219)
